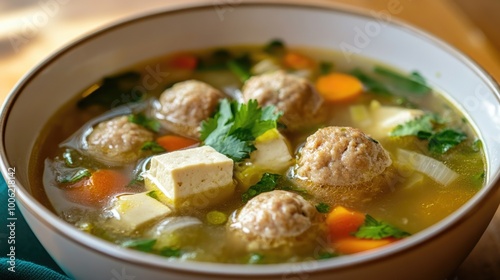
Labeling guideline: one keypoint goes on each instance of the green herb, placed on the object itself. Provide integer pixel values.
(323, 207)
(144, 121)
(73, 176)
(422, 125)
(255, 258)
(444, 140)
(413, 83)
(152, 146)
(267, 183)
(233, 129)
(152, 194)
(241, 66)
(479, 177)
(371, 84)
(325, 67)
(170, 252)
(113, 91)
(145, 245)
(477, 145)
(373, 229)
(326, 255)
(216, 61)
(275, 47)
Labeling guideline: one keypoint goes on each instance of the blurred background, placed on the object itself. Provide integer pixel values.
(30, 30)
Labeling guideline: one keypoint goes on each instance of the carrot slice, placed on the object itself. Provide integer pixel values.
(184, 61)
(342, 222)
(98, 188)
(339, 87)
(351, 245)
(297, 61)
(174, 142)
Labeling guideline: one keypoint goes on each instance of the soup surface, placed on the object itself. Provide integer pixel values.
(257, 154)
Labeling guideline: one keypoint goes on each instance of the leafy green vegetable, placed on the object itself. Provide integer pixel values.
(477, 145)
(323, 207)
(144, 121)
(413, 83)
(113, 91)
(325, 67)
(326, 255)
(275, 47)
(371, 84)
(235, 126)
(152, 146)
(145, 245)
(73, 176)
(216, 61)
(444, 140)
(267, 183)
(422, 125)
(152, 194)
(241, 66)
(170, 252)
(373, 229)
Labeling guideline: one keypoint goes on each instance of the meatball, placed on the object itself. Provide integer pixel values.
(292, 95)
(185, 105)
(117, 141)
(342, 164)
(274, 219)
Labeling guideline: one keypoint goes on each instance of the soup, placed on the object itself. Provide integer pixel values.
(257, 154)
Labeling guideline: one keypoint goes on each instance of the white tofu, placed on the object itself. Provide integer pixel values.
(197, 177)
(135, 210)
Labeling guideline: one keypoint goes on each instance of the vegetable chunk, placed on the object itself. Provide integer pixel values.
(136, 210)
(196, 177)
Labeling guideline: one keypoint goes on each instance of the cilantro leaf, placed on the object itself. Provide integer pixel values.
(145, 245)
(73, 175)
(421, 127)
(323, 207)
(444, 140)
(325, 67)
(267, 183)
(144, 121)
(152, 146)
(413, 83)
(275, 47)
(371, 84)
(233, 129)
(170, 252)
(326, 255)
(373, 229)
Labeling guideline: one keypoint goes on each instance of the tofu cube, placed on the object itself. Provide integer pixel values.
(197, 177)
(135, 210)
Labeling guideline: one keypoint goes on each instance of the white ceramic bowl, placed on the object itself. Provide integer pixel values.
(431, 254)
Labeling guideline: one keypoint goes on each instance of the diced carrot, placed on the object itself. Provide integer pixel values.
(342, 222)
(184, 61)
(98, 188)
(339, 87)
(351, 245)
(174, 142)
(297, 61)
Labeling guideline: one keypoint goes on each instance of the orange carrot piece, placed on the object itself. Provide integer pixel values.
(98, 188)
(351, 245)
(184, 61)
(174, 142)
(339, 87)
(342, 222)
(297, 61)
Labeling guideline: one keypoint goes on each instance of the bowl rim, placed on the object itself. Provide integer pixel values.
(105, 248)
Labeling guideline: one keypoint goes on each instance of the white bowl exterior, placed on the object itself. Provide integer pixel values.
(76, 67)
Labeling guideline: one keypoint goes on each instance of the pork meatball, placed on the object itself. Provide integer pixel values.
(117, 141)
(274, 219)
(342, 164)
(292, 95)
(185, 105)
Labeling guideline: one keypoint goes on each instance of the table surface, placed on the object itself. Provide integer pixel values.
(30, 30)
